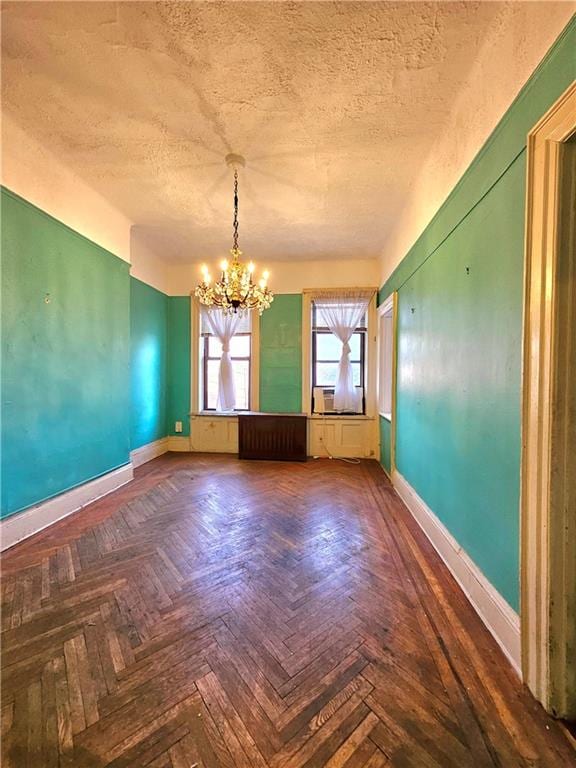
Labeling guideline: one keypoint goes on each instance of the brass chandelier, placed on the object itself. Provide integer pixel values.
(236, 290)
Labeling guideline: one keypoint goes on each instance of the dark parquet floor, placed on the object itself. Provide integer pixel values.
(223, 613)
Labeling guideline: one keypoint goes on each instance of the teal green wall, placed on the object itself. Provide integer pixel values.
(160, 363)
(148, 363)
(65, 357)
(281, 355)
(92, 374)
(178, 396)
(385, 445)
(459, 340)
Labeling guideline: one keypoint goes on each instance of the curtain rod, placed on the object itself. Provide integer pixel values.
(340, 292)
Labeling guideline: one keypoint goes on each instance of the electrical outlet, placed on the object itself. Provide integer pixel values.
(178, 426)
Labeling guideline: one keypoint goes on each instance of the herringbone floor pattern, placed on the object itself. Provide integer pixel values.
(225, 613)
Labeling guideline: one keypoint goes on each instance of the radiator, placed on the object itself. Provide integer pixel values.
(276, 436)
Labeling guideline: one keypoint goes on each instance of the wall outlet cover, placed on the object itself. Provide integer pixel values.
(178, 426)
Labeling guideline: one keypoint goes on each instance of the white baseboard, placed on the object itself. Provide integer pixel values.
(34, 519)
(502, 621)
(179, 443)
(383, 468)
(148, 452)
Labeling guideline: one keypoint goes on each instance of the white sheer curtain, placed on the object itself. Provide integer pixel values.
(342, 315)
(224, 327)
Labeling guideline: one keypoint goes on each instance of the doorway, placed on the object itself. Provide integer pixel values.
(387, 318)
(548, 488)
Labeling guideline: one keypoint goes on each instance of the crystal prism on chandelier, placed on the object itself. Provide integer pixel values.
(236, 290)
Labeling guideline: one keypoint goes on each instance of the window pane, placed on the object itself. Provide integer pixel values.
(214, 347)
(213, 367)
(242, 383)
(328, 347)
(326, 374)
(241, 370)
(239, 346)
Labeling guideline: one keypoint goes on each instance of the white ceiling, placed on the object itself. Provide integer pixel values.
(335, 106)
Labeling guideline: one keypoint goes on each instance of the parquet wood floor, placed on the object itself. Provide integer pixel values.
(225, 613)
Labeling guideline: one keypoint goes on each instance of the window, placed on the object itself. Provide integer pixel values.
(386, 352)
(211, 352)
(326, 353)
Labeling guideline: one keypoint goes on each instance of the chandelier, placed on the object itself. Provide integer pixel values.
(236, 290)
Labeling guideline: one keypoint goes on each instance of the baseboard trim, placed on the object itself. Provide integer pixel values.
(386, 472)
(34, 519)
(179, 443)
(148, 452)
(502, 621)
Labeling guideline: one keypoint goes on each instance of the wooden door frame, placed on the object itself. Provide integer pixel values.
(390, 304)
(548, 585)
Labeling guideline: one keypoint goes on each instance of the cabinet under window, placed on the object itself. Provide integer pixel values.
(326, 354)
(211, 352)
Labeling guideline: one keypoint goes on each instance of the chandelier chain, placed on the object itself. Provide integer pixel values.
(235, 243)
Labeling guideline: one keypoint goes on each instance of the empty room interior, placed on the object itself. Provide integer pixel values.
(288, 381)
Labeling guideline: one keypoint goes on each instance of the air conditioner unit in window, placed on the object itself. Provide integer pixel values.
(324, 400)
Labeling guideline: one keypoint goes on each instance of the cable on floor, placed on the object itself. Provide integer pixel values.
(345, 459)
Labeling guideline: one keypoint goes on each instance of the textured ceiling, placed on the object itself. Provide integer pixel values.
(334, 105)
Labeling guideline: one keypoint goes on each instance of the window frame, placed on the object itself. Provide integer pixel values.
(388, 310)
(362, 331)
(205, 359)
(196, 371)
(386, 352)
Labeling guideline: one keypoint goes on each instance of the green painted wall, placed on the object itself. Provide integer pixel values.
(459, 340)
(507, 141)
(178, 395)
(160, 363)
(385, 445)
(148, 363)
(458, 386)
(281, 355)
(65, 357)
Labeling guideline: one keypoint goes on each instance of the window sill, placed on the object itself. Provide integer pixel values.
(346, 416)
(313, 416)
